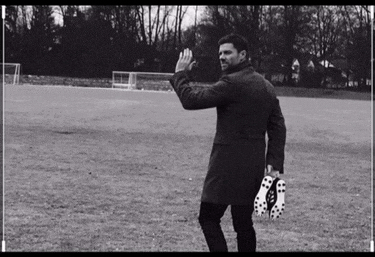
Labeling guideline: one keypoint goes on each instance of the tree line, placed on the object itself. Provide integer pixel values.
(93, 41)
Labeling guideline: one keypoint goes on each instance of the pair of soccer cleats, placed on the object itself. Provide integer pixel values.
(271, 197)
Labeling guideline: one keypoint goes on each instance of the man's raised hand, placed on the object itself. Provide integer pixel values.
(185, 61)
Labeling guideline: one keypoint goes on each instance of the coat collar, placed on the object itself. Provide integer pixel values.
(237, 68)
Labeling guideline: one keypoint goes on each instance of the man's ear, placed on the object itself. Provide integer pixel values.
(243, 55)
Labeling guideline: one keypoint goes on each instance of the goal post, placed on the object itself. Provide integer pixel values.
(141, 80)
(10, 73)
(123, 79)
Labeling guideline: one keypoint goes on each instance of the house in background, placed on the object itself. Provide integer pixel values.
(309, 71)
(336, 74)
(296, 71)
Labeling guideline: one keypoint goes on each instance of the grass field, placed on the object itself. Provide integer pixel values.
(111, 170)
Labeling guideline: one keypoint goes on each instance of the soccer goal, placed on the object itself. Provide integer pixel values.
(10, 73)
(141, 80)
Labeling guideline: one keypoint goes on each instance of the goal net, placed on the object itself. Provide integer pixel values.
(141, 80)
(10, 73)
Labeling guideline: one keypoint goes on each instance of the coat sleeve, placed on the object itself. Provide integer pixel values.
(276, 131)
(202, 97)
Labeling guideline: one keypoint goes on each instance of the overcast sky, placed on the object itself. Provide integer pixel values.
(187, 21)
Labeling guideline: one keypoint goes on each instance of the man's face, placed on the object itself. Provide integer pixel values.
(229, 56)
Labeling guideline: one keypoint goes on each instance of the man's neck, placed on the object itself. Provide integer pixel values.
(237, 67)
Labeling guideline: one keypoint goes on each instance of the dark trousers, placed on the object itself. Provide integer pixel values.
(210, 215)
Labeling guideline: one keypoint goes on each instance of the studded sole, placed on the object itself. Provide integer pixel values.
(279, 206)
(260, 203)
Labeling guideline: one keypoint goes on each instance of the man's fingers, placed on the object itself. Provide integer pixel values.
(274, 174)
(187, 54)
(270, 171)
(185, 60)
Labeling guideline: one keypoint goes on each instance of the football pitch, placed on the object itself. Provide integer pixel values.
(110, 170)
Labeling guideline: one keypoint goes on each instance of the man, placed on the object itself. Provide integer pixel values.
(247, 109)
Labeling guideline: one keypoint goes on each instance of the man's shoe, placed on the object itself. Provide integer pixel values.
(260, 202)
(276, 198)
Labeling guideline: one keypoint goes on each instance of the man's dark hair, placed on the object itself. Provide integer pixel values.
(239, 42)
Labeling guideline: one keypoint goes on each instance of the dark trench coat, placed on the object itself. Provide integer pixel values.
(247, 109)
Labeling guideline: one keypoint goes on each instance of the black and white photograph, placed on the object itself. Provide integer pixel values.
(187, 128)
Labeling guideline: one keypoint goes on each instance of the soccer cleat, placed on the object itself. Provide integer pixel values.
(271, 195)
(260, 202)
(276, 199)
